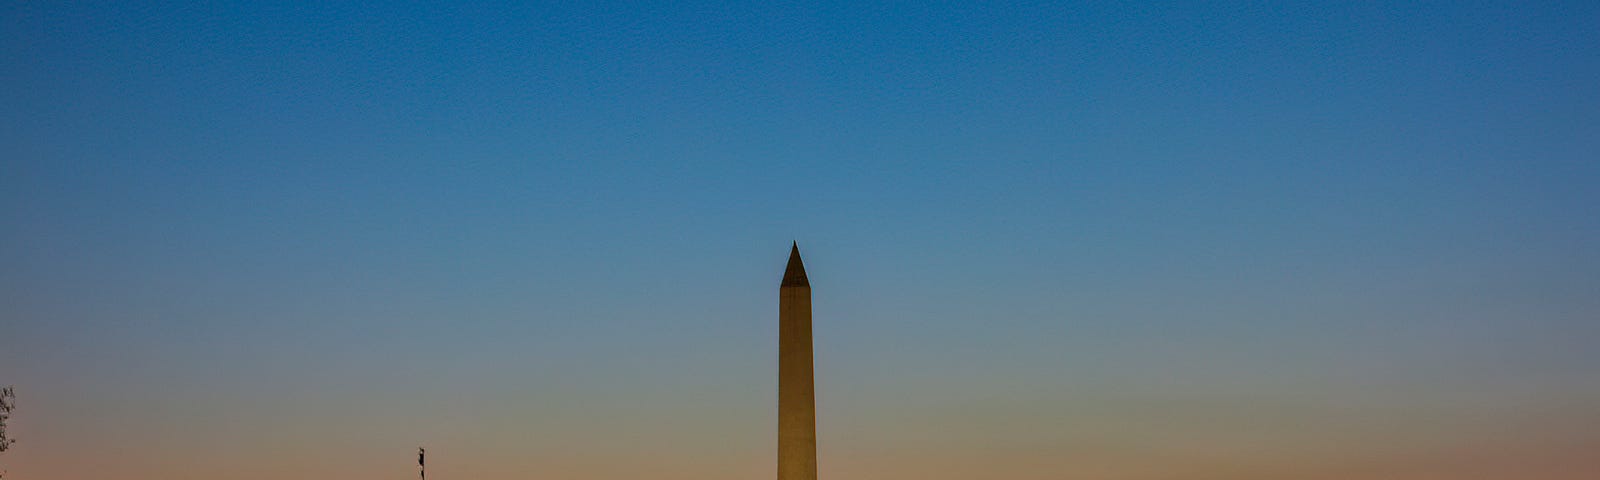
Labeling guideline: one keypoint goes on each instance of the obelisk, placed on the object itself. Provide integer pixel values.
(797, 413)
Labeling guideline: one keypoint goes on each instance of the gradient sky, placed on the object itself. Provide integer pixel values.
(1105, 241)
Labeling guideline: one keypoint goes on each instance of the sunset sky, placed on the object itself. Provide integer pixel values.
(1111, 240)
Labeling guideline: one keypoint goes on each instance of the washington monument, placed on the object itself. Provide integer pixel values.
(797, 412)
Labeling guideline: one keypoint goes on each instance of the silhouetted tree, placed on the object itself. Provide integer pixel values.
(8, 402)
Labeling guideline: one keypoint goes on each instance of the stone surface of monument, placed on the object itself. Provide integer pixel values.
(797, 415)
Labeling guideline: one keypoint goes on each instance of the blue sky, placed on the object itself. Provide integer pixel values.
(572, 219)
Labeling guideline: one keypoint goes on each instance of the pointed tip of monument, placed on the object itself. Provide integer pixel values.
(794, 275)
